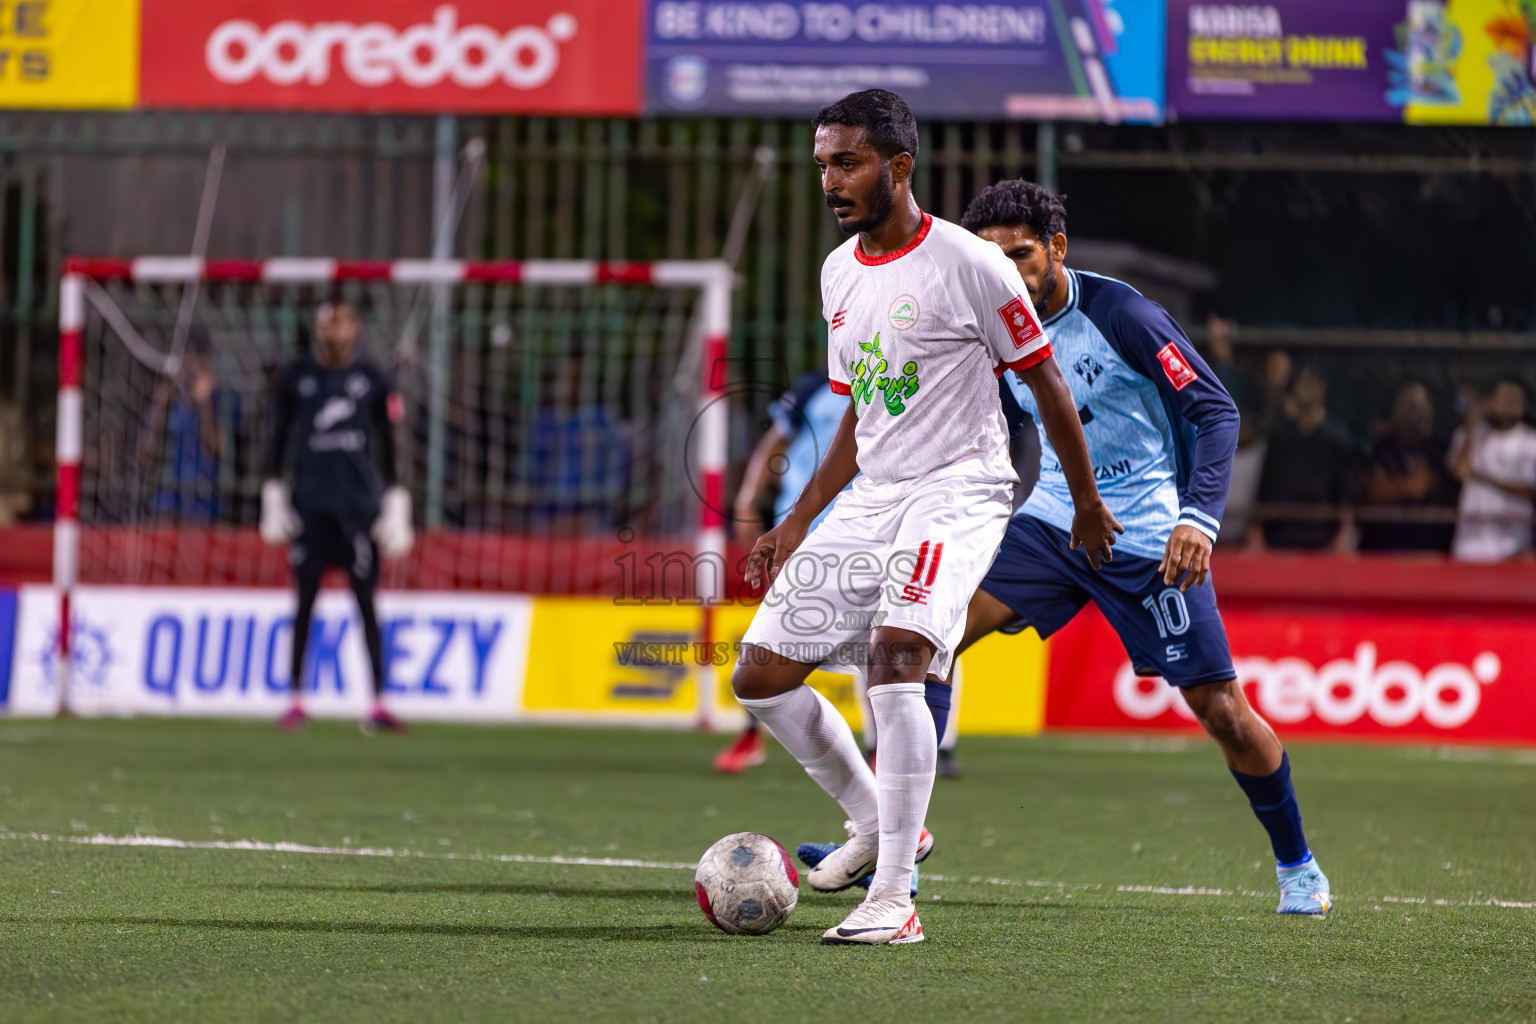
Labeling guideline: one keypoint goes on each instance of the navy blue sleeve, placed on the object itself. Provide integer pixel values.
(788, 412)
(1151, 342)
(1013, 412)
(284, 407)
(388, 409)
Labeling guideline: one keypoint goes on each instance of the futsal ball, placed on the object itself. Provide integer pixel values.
(746, 884)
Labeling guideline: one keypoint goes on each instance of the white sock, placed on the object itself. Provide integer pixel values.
(861, 690)
(952, 730)
(818, 737)
(904, 772)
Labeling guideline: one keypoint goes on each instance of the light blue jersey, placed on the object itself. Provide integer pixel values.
(808, 416)
(1161, 429)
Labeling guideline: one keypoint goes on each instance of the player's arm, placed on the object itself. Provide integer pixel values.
(1514, 490)
(283, 409)
(392, 530)
(387, 411)
(1152, 341)
(837, 469)
(786, 418)
(279, 522)
(1464, 448)
(754, 484)
(1015, 340)
(1093, 525)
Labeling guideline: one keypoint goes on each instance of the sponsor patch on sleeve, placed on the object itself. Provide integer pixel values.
(1179, 372)
(1021, 326)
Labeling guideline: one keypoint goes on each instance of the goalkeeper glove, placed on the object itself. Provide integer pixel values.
(279, 523)
(392, 529)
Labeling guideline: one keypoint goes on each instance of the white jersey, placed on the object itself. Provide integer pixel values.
(918, 338)
(1493, 524)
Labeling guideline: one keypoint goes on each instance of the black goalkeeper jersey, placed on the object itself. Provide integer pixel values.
(328, 422)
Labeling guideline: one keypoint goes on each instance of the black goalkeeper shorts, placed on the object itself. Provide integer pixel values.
(332, 541)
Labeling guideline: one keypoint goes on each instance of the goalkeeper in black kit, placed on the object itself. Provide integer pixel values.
(333, 412)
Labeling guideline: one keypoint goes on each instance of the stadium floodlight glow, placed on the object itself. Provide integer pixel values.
(713, 279)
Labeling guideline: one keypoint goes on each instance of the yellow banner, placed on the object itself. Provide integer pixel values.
(592, 660)
(70, 54)
(1470, 62)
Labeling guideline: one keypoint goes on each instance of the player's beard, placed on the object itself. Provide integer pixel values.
(1048, 285)
(882, 199)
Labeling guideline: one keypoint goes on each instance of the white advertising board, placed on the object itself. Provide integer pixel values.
(186, 651)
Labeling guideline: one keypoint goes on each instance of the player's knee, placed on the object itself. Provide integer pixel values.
(899, 662)
(754, 678)
(1218, 709)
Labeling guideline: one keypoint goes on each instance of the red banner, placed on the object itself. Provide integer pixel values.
(533, 56)
(1407, 676)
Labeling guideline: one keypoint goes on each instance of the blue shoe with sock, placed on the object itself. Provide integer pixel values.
(812, 854)
(1304, 889)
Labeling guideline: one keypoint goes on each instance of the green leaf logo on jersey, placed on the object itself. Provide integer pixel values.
(869, 376)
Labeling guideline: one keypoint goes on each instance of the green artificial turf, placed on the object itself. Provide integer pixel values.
(1023, 902)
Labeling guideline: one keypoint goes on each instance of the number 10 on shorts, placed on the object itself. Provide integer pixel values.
(1169, 611)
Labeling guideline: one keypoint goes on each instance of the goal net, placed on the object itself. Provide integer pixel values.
(553, 410)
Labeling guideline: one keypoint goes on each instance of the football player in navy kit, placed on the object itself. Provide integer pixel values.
(334, 424)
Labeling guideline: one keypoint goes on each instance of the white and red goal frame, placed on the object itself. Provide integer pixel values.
(713, 278)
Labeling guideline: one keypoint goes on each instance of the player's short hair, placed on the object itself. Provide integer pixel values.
(333, 304)
(1014, 202)
(885, 117)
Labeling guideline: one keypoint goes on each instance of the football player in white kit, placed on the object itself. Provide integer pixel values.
(923, 318)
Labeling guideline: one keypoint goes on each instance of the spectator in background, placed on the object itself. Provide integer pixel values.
(1248, 463)
(579, 454)
(181, 442)
(1493, 454)
(1307, 464)
(15, 493)
(1406, 473)
(1245, 393)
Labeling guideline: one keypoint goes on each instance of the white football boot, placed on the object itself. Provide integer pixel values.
(877, 922)
(846, 864)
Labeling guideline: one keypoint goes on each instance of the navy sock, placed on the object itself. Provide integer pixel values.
(1274, 803)
(936, 696)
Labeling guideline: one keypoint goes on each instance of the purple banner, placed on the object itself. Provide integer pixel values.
(1303, 60)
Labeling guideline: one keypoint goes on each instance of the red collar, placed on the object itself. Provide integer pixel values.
(891, 257)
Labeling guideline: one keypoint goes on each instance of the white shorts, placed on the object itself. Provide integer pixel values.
(914, 566)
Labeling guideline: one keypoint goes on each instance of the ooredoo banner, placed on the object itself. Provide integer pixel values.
(1403, 676)
(533, 56)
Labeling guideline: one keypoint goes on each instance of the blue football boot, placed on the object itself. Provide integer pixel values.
(812, 854)
(1304, 890)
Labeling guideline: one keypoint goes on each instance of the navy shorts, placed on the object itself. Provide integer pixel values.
(1178, 636)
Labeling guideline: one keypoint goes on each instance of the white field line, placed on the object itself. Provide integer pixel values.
(257, 846)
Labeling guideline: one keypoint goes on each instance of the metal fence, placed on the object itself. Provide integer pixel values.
(363, 187)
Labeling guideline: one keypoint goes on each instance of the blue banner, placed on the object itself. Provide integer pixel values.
(1086, 60)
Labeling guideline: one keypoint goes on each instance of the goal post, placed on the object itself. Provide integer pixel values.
(150, 281)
